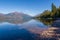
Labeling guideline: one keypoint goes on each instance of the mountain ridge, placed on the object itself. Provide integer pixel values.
(15, 17)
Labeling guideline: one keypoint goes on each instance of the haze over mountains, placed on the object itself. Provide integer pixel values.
(14, 17)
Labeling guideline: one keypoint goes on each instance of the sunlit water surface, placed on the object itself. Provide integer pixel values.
(24, 31)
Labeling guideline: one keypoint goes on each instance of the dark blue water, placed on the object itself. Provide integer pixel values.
(10, 31)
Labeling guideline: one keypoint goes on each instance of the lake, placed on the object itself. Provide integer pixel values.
(31, 30)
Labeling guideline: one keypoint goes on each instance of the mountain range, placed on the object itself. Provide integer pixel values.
(14, 17)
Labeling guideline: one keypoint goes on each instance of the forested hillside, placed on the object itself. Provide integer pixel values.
(48, 16)
(53, 13)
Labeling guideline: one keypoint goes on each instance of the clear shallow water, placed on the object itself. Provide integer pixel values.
(9, 31)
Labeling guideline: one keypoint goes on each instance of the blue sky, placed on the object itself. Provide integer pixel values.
(30, 7)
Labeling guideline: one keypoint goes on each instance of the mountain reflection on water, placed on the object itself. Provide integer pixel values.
(32, 30)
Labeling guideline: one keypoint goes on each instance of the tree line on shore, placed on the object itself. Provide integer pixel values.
(49, 16)
(52, 14)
